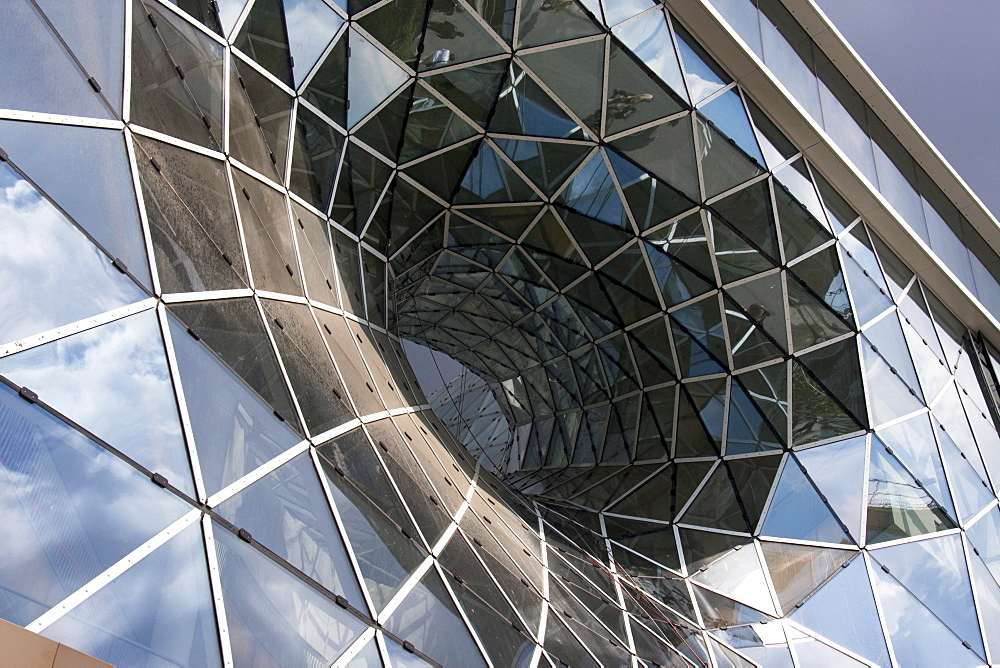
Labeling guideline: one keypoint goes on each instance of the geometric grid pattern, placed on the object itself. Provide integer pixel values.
(740, 431)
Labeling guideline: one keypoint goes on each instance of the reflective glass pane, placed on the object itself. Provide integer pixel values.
(93, 183)
(234, 429)
(274, 618)
(159, 612)
(71, 509)
(113, 380)
(287, 512)
(52, 274)
(177, 82)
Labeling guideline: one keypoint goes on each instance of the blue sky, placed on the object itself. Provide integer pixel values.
(939, 60)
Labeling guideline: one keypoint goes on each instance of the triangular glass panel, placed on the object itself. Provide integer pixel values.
(798, 570)
(800, 231)
(889, 342)
(838, 211)
(827, 395)
(718, 505)
(776, 147)
(523, 108)
(234, 331)
(311, 371)
(396, 26)
(453, 36)
(913, 445)
(287, 512)
(497, 624)
(234, 430)
(844, 611)
(628, 270)
(650, 200)
(29, 47)
(918, 636)
(264, 38)
(735, 256)
(546, 163)
(634, 96)
(753, 478)
(268, 235)
(98, 44)
(63, 279)
(971, 493)
(739, 575)
(473, 90)
(821, 274)
(988, 596)
(159, 610)
(755, 319)
(666, 150)
(813, 321)
(428, 618)
(702, 548)
(693, 437)
(894, 398)
(597, 239)
(838, 471)
(723, 165)
(561, 643)
(68, 539)
(876, 299)
(228, 13)
(383, 76)
(671, 251)
(654, 357)
(541, 22)
(748, 212)
(378, 528)
(431, 126)
(273, 614)
(615, 13)
(328, 87)
(362, 179)
(310, 25)
(106, 207)
(727, 113)
(490, 178)
(315, 158)
(699, 338)
(898, 507)
(113, 381)
(581, 94)
(799, 512)
(316, 253)
(383, 130)
(196, 241)
(177, 77)
(259, 114)
(702, 74)
(425, 505)
(934, 571)
(648, 37)
(766, 387)
(747, 429)
(796, 179)
(718, 610)
(548, 235)
(442, 173)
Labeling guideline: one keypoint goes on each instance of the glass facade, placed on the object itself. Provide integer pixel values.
(690, 409)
